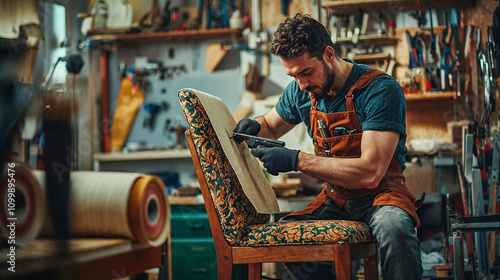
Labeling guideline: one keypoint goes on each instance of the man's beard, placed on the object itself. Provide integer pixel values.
(329, 79)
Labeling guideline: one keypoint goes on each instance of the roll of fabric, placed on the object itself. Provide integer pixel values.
(22, 204)
(104, 204)
(119, 204)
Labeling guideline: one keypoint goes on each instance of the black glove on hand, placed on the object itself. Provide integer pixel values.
(246, 126)
(277, 159)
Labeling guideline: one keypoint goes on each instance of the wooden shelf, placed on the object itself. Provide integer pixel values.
(184, 200)
(354, 6)
(361, 58)
(380, 40)
(171, 36)
(85, 258)
(430, 96)
(143, 155)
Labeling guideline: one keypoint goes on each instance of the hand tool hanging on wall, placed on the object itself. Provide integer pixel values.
(433, 36)
(485, 68)
(433, 64)
(357, 28)
(495, 29)
(284, 7)
(479, 65)
(447, 57)
(152, 108)
(217, 13)
(334, 27)
(413, 63)
(491, 54)
(467, 73)
(167, 133)
(458, 93)
(421, 52)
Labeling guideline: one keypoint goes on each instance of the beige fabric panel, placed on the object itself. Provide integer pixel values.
(246, 166)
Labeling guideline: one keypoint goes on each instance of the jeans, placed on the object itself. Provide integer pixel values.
(399, 248)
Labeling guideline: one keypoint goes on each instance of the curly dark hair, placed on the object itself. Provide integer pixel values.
(298, 35)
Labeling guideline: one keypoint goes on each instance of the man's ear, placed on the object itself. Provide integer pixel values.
(329, 53)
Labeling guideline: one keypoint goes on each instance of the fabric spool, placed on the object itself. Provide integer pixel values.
(28, 205)
(106, 204)
(145, 209)
(120, 204)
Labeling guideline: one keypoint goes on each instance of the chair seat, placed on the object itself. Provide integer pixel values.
(307, 232)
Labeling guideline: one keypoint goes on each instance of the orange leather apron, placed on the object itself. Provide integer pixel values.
(392, 189)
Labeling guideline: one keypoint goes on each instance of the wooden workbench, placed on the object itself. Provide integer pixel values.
(85, 259)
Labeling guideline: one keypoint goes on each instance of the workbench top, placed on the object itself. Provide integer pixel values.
(86, 258)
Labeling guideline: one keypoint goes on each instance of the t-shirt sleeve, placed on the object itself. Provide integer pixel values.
(287, 104)
(385, 106)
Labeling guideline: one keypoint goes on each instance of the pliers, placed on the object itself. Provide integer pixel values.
(412, 46)
(447, 56)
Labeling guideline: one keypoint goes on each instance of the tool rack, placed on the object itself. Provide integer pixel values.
(477, 221)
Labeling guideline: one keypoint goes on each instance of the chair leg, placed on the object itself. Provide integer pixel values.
(342, 261)
(254, 271)
(371, 266)
(224, 270)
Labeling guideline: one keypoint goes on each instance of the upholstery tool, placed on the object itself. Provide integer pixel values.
(255, 141)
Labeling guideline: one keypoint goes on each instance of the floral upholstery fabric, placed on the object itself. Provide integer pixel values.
(241, 224)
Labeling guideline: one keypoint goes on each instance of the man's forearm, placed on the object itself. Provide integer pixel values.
(363, 172)
(351, 173)
(264, 128)
(272, 125)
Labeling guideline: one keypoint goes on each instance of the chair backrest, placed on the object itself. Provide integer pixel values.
(231, 204)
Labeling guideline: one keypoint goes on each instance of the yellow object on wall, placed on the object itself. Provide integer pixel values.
(129, 102)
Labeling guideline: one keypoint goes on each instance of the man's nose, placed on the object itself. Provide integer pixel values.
(303, 84)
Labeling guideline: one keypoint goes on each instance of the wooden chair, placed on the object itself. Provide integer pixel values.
(243, 236)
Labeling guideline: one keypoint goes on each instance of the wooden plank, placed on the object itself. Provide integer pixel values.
(354, 6)
(128, 263)
(372, 39)
(142, 155)
(430, 96)
(428, 119)
(254, 271)
(361, 58)
(183, 200)
(215, 53)
(243, 255)
(88, 258)
(342, 262)
(137, 38)
(271, 14)
(371, 265)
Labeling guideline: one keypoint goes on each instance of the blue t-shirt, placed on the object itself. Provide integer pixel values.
(379, 106)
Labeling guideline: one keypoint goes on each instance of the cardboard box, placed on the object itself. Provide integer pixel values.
(420, 175)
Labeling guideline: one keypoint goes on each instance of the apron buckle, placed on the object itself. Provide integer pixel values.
(331, 188)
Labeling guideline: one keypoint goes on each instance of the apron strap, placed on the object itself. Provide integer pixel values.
(362, 82)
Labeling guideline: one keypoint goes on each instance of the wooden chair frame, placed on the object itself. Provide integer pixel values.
(227, 256)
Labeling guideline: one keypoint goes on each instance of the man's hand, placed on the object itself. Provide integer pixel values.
(277, 159)
(246, 126)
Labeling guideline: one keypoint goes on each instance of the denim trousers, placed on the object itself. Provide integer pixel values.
(399, 248)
